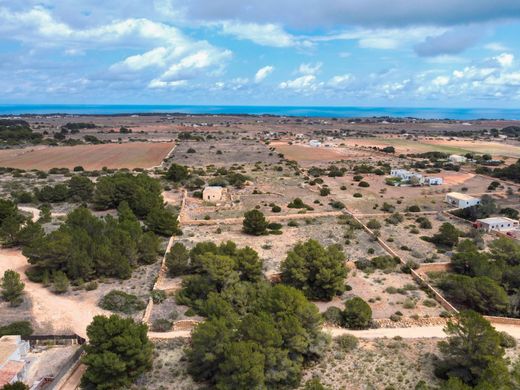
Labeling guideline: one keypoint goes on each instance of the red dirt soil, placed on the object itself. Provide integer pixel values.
(90, 157)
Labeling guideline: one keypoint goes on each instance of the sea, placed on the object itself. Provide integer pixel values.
(306, 111)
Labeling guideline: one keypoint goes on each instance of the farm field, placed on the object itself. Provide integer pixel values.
(90, 157)
(405, 146)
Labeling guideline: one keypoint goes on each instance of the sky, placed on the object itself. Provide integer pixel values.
(428, 53)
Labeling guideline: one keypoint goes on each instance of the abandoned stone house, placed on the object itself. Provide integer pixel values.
(213, 194)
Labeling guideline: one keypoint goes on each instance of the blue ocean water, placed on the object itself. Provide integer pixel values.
(317, 111)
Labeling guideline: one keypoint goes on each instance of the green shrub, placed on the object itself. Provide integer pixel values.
(158, 296)
(119, 301)
(22, 328)
(506, 340)
(347, 342)
(162, 325)
(363, 184)
(90, 286)
(333, 315)
(357, 314)
(276, 209)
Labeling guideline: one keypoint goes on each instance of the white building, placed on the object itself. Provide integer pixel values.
(499, 224)
(433, 181)
(461, 200)
(314, 143)
(406, 175)
(13, 365)
(457, 159)
(212, 193)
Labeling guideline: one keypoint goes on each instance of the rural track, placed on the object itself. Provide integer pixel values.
(415, 332)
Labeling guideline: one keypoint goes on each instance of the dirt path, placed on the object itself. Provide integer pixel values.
(65, 313)
(32, 210)
(270, 218)
(407, 333)
(74, 380)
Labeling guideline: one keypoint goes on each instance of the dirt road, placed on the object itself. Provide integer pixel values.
(54, 313)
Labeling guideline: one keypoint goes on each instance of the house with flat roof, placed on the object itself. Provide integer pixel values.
(13, 365)
(499, 224)
(461, 200)
(314, 143)
(406, 175)
(433, 181)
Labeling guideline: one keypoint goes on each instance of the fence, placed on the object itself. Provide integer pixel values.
(415, 275)
(54, 339)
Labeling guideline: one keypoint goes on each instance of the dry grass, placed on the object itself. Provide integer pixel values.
(91, 157)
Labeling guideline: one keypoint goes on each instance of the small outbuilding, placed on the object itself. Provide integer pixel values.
(457, 159)
(314, 143)
(461, 200)
(433, 181)
(499, 224)
(213, 193)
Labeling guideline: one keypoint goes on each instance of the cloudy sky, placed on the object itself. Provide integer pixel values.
(434, 53)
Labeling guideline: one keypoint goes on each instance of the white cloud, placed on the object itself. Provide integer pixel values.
(304, 83)
(262, 73)
(440, 81)
(157, 84)
(505, 59)
(340, 80)
(262, 34)
(309, 69)
(495, 46)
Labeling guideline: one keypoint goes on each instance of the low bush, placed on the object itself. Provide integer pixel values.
(162, 325)
(347, 342)
(119, 301)
(22, 328)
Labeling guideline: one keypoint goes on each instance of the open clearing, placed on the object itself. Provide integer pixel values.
(461, 146)
(90, 157)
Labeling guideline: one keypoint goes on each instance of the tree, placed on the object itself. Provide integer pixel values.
(254, 223)
(448, 235)
(81, 188)
(148, 247)
(162, 222)
(15, 386)
(60, 282)
(178, 260)
(314, 384)
(177, 173)
(472, 352)
(357, 314)
(12, 287)
(118, 352)
(319, 272)
(478, 293)
(242, 367)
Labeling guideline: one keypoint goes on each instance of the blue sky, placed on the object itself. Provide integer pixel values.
(434, 53)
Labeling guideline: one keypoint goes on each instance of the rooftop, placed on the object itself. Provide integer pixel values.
(493, 220)
(459, 196)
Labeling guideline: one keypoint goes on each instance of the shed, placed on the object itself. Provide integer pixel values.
(212, 193)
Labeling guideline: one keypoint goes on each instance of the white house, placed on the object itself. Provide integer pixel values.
(13, 366)
(457, 159)
(500, 224)
(314, 143)
(406, 175)
(461, 200)
(433, 181)
(212, 193)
